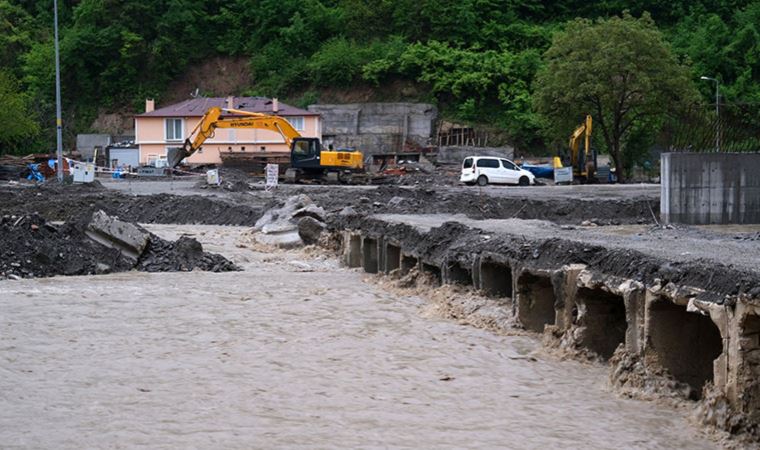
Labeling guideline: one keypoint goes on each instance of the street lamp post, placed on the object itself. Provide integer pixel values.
(717, 110)
(58, 120)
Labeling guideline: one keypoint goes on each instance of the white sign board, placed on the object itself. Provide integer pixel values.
(272, 176)
(84, 172)
(563, 175)
(212, 177)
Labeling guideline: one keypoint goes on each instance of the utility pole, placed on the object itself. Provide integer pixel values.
(717, 111)
(58, 120)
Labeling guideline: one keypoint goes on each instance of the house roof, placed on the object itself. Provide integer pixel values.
(197, 107)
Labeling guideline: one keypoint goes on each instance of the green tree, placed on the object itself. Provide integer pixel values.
(14, 115)
(620, 70)
(15, 33)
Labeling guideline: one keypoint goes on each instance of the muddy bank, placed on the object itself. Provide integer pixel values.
(425, 200)
(455, 242)
(31, 247)
(70, 202)
(244, 208)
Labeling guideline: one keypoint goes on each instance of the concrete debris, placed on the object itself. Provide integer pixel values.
(297, 222)
(396, 201)
(310, 229)
(128, 238)
(32, 247)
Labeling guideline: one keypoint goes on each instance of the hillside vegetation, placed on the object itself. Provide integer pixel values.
(477, 59)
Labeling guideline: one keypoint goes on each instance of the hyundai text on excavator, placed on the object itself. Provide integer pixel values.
(307, 157)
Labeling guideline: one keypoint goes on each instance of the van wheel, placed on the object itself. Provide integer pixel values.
(524, 181)
(482, 180)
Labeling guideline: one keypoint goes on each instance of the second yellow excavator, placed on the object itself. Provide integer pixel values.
(307, 157)
(582, 160)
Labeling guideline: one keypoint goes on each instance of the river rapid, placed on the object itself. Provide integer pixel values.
(293, 352)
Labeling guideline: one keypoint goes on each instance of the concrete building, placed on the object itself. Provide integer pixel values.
(88, 143)
(157, 130)
(376, 128)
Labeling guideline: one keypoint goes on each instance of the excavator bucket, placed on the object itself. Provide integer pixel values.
(175, 155)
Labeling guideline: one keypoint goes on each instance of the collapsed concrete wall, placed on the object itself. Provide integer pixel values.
(376, 128)
(710, 188)
(702, 333)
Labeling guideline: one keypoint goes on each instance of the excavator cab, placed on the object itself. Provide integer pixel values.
(305, 153)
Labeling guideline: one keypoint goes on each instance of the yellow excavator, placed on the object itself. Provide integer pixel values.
(307, 157)
(582, 160)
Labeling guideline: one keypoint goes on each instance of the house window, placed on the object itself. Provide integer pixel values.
(174, 130)
(297, 122)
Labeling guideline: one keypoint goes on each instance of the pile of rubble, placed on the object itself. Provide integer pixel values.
(297, 222)
(32, 247)
(13, 167)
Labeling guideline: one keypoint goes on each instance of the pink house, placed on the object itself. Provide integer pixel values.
(159, 129)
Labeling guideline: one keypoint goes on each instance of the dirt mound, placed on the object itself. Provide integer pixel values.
(184, 254)
(396, 199)
(56, 202)
(243, 203)
(32, 247)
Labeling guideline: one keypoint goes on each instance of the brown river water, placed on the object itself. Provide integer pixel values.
(294, 352)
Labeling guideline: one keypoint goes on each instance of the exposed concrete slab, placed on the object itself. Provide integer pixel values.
(715, 243)
(129, 238)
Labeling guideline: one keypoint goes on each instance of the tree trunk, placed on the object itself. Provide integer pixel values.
(616, 158)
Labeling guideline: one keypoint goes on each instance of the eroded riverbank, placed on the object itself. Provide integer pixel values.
(295, 351)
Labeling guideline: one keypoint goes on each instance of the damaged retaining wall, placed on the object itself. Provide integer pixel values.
(699, 331)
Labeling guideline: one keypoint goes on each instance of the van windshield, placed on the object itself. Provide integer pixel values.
(467, 163)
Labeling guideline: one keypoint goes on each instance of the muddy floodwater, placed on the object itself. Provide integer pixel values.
(293, 352)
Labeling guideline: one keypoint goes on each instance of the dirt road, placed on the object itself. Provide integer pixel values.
(294, 352)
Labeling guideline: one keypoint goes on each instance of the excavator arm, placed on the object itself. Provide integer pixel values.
(580, 159)
(213, 120)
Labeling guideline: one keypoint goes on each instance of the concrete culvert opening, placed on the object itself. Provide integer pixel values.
(458, 274)
(535, 301)
(354, 254)
(496, 279)
(407, 263)
(433, 270)
(369, 249)
(685, 343)
(392, 257)
(602, 314)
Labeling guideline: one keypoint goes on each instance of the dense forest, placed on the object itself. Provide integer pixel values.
(476, 59)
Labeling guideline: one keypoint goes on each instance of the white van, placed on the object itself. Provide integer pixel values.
(489, 169)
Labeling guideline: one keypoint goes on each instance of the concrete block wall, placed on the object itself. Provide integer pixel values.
(86, 143)
(710, 188)
(376, 127)
(456, 154)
